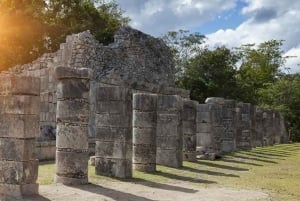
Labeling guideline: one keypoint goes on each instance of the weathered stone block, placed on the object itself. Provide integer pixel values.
(144, 135)
(16, 149)
(17, 85)
(144, 119)
(71, 167)
(169, 157)
(19, 126)
(70, 88)
(144, 102)
(111, 107)
(169, 142)
(113, 149)
(13, 172)
(168, 125)
(112, 120)
(72, 111)
(112, 94)
(113, 134)
(114, 167)
(72, 136)
(20, 104)
(68, 73)
(189, 127)
(169, 103)
(204, 127)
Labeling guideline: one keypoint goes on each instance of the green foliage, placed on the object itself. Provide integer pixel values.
(184, 45)
(210, 73)
(284, 96)
(259, 66)
(250, 73)
(29, 28)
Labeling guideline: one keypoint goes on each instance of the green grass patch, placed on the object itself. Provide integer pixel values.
(274, 169)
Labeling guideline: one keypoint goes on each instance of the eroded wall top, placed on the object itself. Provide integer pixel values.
(134, 57)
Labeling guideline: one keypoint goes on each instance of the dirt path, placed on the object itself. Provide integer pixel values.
(125, 191)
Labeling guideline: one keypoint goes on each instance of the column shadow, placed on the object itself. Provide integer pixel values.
(255, 159)
(111, 193)
(183, 178)
(161, 185)
(239, 162)
(208, 172)
(261, 156)
(35, 198)
(227, 167)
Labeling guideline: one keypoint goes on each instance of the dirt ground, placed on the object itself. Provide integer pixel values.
(142, 191)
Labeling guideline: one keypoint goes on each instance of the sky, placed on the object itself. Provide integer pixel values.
(224, 22)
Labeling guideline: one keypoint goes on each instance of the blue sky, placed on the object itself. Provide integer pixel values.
(224, 22)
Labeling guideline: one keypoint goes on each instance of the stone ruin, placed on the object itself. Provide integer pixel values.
(119, 103)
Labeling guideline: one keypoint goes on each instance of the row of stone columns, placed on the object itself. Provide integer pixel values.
(235, 125)
(132, 129)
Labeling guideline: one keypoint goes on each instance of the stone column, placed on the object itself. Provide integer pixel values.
(72, 119)
(144, 132)
(258, 127)
(276, 127)
(19, 127)
(284, 137)
(189, 114)
(243, 126)
(209, 130)
(268, 133)
(113, 122)
(228, 118)
(169, 131)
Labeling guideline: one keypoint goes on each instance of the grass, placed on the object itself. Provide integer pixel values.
(274, 170)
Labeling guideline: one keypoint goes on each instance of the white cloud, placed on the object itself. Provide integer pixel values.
(265, 20)
(156, 17)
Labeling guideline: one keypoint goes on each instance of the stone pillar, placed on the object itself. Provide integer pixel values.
(72, 119)
(189, 114)
(227, 115)
(113, 122)
(268, 133)
(144, 132)
(243, 126)
(258, 127)
(19, 127)
(209, 130)
(276, 127)
(228, 118)
(284, 137)
(169, 131)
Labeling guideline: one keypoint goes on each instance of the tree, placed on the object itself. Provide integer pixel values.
(22, 31)
(284, 96)
(184, 45)
(210, 73)
(259, 66)
(29, 28)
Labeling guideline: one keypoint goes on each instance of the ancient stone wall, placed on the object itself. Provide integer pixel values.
(19, 127)
(134, 60)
